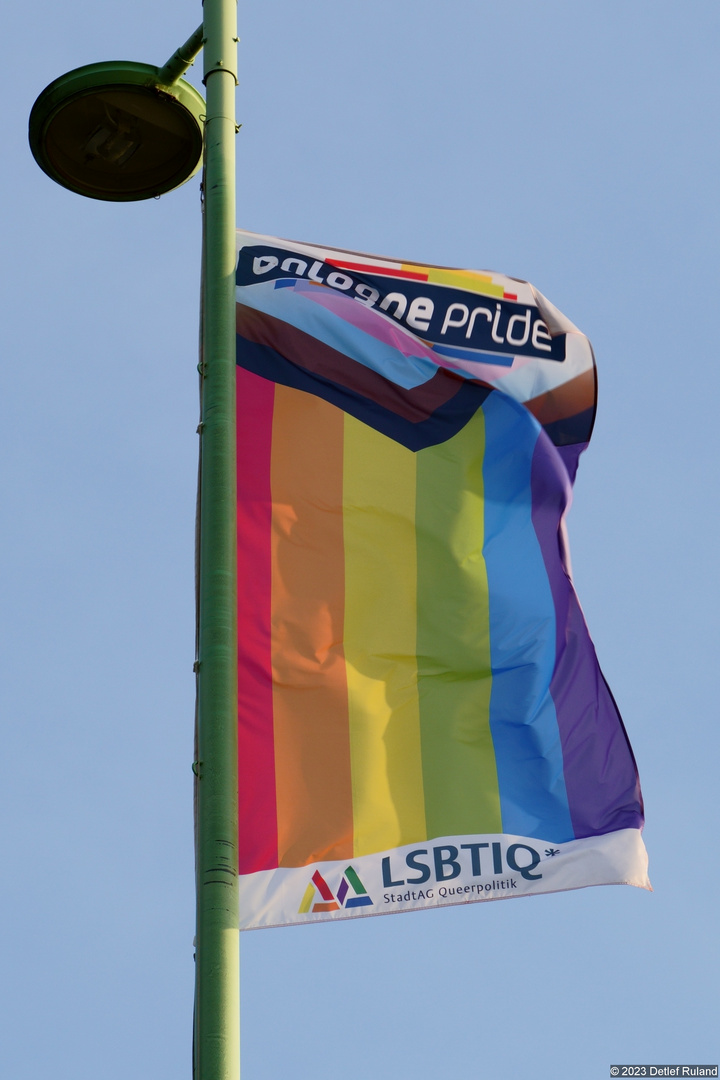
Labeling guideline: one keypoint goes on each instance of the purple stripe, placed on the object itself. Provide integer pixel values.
(571, 457)
(600, 773)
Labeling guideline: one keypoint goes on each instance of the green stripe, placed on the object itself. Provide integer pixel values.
(355, 881)
(453, 638)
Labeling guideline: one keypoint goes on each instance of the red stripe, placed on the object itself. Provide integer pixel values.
(364, 268)
(256, 746)
(322, 886)
(509, 296)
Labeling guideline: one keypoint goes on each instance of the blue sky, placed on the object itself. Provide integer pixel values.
(571, 144)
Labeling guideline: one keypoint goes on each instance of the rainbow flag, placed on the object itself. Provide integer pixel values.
(422, 717)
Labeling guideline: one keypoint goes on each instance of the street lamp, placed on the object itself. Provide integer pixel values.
(123, 131)
(114, 131)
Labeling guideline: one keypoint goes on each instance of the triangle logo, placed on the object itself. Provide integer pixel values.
(319, 897)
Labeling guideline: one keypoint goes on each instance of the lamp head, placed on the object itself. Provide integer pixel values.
(112, 131)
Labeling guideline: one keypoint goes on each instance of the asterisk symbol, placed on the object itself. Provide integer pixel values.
(552, 851)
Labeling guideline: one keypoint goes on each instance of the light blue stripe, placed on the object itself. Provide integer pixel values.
(480, 357)
(523, 722)
(296, 309)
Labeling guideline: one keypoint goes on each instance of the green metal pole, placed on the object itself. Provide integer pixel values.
(217, 988)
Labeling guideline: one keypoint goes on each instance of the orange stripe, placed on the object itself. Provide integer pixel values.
(312, 746)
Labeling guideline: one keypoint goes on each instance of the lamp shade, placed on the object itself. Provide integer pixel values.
(113, 131)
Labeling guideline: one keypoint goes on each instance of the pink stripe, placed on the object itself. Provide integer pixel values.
(256, 745)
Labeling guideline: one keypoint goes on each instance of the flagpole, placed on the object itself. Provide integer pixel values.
(217, 980)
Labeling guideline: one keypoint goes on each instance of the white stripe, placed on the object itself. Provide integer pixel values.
(273, 897)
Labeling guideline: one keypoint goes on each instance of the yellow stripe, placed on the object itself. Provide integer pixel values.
(307, 899)
(380, 640)
(466, 279)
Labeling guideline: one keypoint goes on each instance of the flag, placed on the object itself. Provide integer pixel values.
(422, 717)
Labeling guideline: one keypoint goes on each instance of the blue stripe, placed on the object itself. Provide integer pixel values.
(480, 357)
(297, 310)
(523, 722)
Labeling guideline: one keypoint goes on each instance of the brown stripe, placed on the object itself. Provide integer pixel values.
(571, 398)
(308, 353)
(312, 743)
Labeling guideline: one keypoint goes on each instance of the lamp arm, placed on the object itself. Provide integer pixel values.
(181, 59)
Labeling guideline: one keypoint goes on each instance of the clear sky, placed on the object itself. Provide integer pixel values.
(573, 144)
